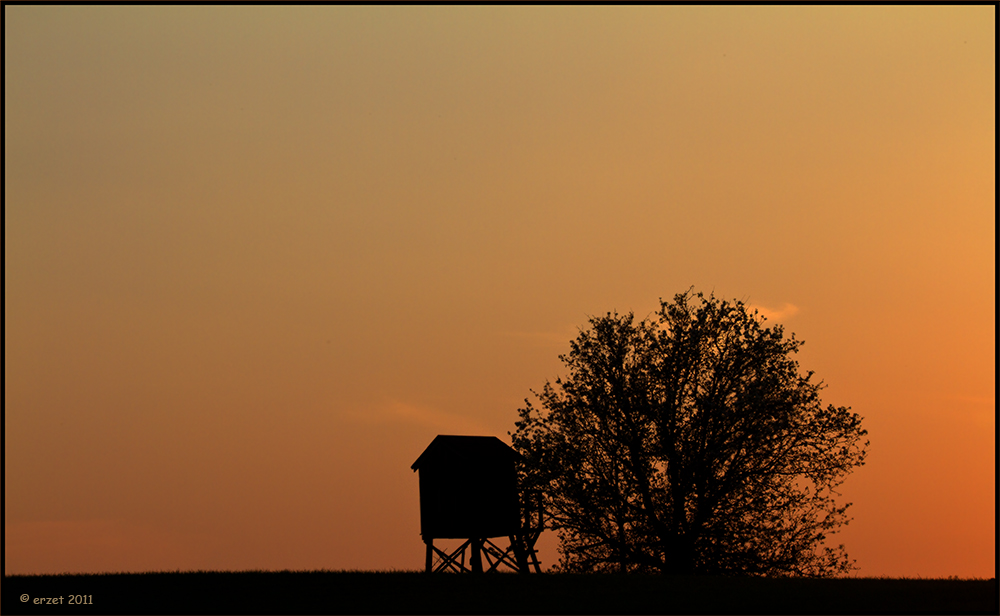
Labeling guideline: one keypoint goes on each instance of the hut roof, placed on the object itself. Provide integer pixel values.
(468, 449)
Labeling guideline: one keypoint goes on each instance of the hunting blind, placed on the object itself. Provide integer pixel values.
(468, 490)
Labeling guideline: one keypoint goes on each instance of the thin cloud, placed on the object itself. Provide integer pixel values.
(979, 409)
(978, 400)
(546, 339)
(782, 314)
(396, 411)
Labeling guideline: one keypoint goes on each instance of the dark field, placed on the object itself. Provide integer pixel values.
(330, 592)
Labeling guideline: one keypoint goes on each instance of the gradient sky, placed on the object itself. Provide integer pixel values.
(257, 257)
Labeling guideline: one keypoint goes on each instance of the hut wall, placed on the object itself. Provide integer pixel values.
(470, 500)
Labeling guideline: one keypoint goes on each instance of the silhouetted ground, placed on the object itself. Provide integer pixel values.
(331, 592)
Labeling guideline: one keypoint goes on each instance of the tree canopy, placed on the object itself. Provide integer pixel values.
(689, 442)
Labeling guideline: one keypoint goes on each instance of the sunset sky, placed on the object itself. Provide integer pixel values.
(257, 257)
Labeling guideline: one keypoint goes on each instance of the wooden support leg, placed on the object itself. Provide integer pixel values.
(519, 553)
(476, 558)
(430, 555)
(532, 552)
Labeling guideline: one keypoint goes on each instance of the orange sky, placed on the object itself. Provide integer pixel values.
(256, 257)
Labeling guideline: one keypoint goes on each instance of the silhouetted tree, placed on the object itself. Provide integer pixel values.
(690, 443)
